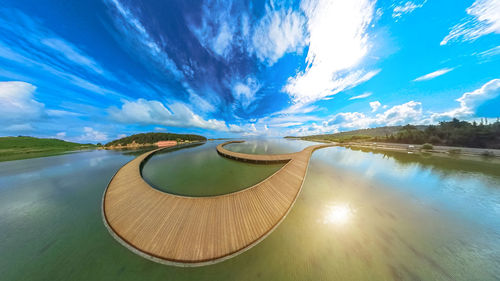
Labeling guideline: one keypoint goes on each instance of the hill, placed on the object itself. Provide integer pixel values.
(152, 138)
(380, 132)
(14, 148)
(452, 133)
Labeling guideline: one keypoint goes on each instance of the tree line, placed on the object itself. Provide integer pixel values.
(452, 133)
(155, 137)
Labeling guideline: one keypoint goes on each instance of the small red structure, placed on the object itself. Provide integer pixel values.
(166, 143)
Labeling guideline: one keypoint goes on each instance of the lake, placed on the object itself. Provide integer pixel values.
(361, 215)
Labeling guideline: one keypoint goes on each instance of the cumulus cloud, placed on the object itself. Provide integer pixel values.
(407, 113)
(375, 105)
(91, 135)
(337, 43)
(470, 101)
(151, 112)
(348, 120)
(434, 74)
(406, 8)
(18, 104)
(410, 112)
(279, 32)
(483, 18)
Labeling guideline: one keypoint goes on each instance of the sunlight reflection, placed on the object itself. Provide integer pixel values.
(338, 214)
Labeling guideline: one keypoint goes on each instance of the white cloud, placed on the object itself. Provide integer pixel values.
(490, 52)
(348, 120)
(406, 8)
(434, 74)
(154, 112)
(362, 96)
(61, 113)
(337, 43)
(17, 128)
(375, 105)
(92, 135)
(407, 113)
(72, 53)
(410, 112)
(217, 28)
(61, 135)
(483, 18)
(136, 32)
(287, 124)
(235, 128)
(38, 50)
(17, 103)
(198, 102)
(470, 101)
(223, 40)
(278, 32)
(245, 92)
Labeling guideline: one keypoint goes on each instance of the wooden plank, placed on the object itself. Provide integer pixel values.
(191, 231)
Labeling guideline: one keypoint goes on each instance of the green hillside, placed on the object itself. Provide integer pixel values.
(150, 138)
(380, 132)
(14, 148)
(451, 133)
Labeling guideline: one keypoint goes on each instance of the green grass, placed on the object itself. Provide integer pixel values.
(15, 148)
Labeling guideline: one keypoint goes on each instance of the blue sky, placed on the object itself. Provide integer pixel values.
(96, 70)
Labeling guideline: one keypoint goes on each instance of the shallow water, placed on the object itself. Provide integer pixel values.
(360, 216)
(200, 171)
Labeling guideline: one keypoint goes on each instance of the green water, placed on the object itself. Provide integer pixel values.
(200, 171)
(360, 216)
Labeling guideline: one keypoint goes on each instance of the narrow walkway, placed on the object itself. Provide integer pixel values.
(195, 231)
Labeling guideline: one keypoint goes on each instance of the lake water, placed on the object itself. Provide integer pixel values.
(361, 216)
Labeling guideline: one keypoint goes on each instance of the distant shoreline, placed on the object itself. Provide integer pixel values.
(449, 151)
(140, 145)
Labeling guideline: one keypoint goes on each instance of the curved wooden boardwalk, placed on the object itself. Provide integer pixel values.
(194, 231)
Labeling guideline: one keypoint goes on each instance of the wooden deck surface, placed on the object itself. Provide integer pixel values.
(193, 231)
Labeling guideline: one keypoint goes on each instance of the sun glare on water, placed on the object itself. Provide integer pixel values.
(338, 214)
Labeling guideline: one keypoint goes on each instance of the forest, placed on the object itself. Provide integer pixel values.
(452, 133)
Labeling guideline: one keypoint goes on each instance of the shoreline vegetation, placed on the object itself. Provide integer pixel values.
(24, 147)
(454, 138)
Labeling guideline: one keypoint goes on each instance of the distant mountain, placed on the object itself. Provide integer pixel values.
(13, 148)
(152, 138)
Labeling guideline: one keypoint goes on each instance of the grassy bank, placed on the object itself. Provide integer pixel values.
(428, 149)
(454, 133)
(16, 148)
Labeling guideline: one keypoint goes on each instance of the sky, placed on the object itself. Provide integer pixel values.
(97, 70)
